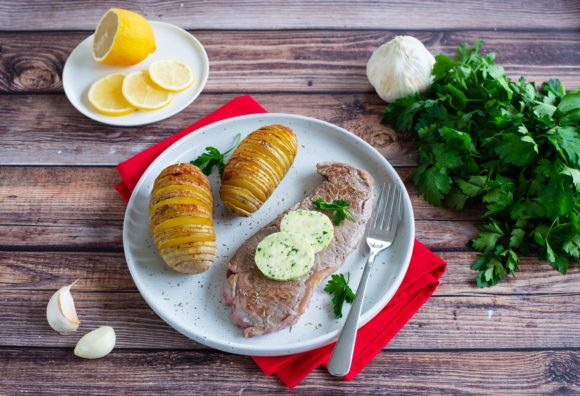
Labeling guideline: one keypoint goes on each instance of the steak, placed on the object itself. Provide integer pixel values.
(261, 305)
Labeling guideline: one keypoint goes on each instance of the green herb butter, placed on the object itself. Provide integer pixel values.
(284, 256)
(313, 226)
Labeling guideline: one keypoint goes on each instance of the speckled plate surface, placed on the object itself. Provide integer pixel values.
(192, 303)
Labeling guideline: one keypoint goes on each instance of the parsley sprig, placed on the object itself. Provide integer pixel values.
(340, 211)
(482, 137)
(338, 287)
(212, 157)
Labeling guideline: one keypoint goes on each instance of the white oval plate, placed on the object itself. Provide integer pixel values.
(192, 304)
(80, 71)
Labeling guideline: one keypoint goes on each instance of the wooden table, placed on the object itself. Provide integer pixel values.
(61, 220)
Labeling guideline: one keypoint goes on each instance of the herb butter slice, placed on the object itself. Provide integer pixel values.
(313, 226)
(284, 256)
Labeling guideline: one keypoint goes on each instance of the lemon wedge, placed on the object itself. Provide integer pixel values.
(123, 38)
(106, 96)
(142, 93)
(171, 75)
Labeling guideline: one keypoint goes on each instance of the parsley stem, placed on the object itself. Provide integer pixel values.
(236, 142)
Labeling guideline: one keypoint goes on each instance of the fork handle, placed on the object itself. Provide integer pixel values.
(341, 359)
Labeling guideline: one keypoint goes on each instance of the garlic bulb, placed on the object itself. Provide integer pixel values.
(97, 343)
(400, 67)
(61, 313)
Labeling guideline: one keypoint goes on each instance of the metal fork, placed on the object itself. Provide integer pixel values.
(382, 229)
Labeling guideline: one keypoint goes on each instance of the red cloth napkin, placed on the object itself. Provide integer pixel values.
(132, 169)
(421, 280)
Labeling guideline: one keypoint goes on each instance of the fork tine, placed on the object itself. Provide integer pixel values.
(389, 206)
(395, 215)
(383, 206)
(377, 208)
(400, 205)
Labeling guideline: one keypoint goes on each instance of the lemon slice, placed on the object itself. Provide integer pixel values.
(142, 93)
(171, 75)
(123, 38)
(106, 95)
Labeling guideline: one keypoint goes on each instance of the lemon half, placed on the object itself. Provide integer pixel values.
(123, 38)
(171, 75)
(106, 96)
(142, 93)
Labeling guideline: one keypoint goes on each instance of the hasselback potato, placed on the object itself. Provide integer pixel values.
(256, 168)
(180, 213)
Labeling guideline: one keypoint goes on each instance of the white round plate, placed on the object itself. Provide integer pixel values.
(80, 71)
(192, 304)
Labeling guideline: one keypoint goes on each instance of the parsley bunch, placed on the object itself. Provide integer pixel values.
(482, 137)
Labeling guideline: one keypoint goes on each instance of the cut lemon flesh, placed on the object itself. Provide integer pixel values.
(106, 96)
(123, 38)
(171, 75)
(142, 93)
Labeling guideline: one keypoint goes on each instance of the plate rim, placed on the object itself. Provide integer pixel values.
(163, 116)
(241, 349)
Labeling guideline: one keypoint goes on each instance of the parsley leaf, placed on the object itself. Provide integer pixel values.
(568, 110)
(517, 150)
(340, 211)
(572, 246)
(558, 198)
(433, 184)
(488, 237)
(213, 157)
(567, 139)
(338, 287)
(574, 174)
(483, 138)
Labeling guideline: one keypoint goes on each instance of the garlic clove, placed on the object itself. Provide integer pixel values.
(96, 344)
(61, 313)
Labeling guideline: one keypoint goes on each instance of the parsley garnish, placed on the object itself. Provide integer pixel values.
(482, 137)
(338, 287)
(340, 210)
(212, 157)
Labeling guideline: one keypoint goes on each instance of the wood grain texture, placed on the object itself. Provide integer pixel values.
(47, 130)
(61, 223)
(444, 322)
(297, 61)
(107, 236)
(279, 14)
(61, 196)
(67, 208)
(99, 235)
(187, 373)
(108, 272)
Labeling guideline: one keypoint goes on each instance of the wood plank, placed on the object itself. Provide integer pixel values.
(77, 208)
(47, 130)
(62, 196)
(195, 372)
(88, 235)
(303, 61)
(278, 14)
(107, 272)
(444, 322)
